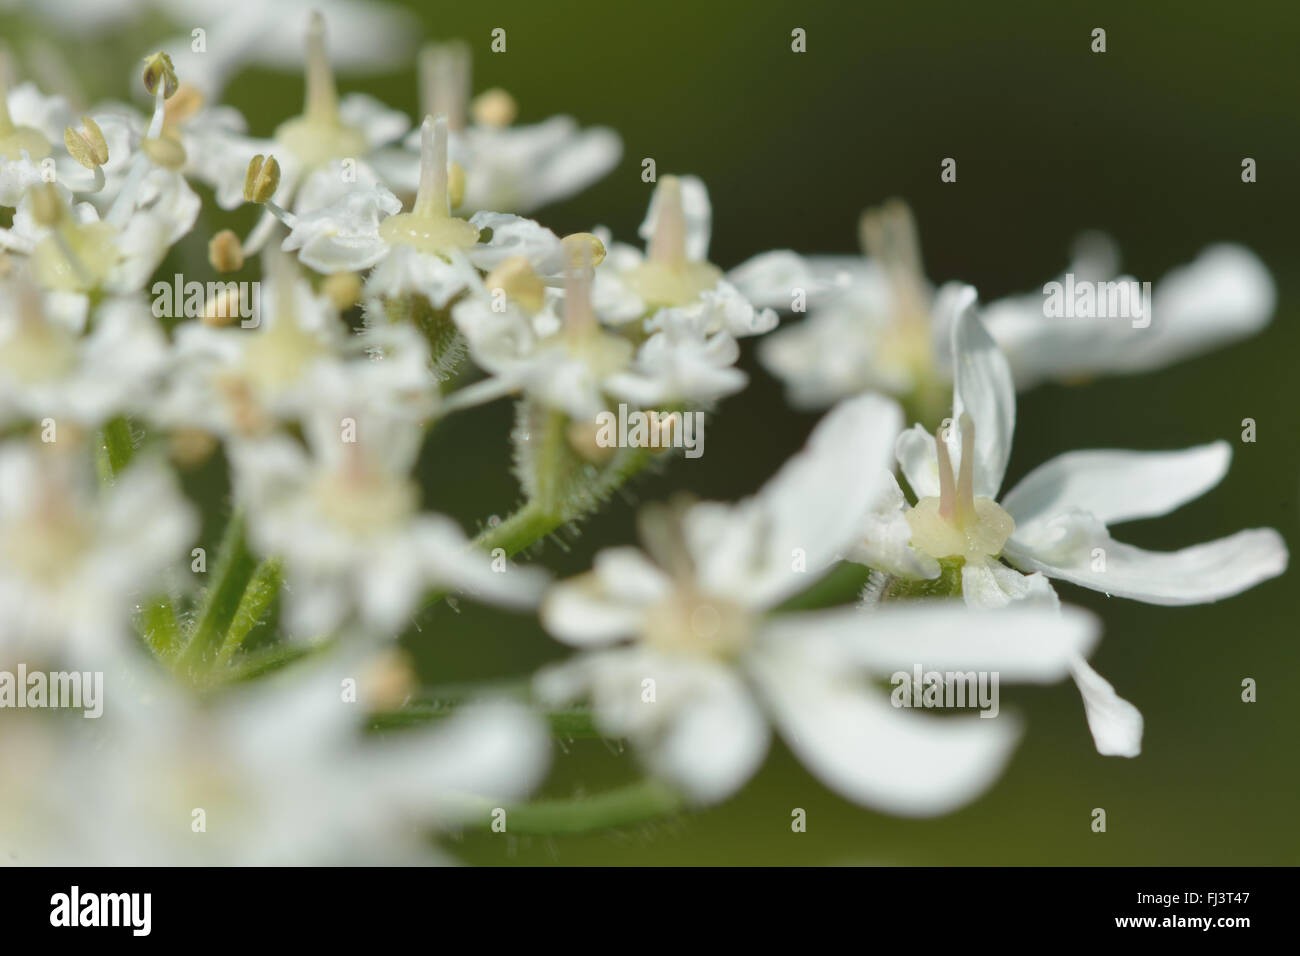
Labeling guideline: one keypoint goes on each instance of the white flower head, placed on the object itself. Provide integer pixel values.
(1055, 522)
(343, 514)
(245, 382)
(683, 655)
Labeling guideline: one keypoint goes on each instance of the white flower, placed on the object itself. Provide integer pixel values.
(247, 381)
(553, 347)
(56, 362)
(426, 251)
(308, 148)
(1054, 523)
(674, 273)
(282, 774)
(508, 168)
(877, 323)
(343, 514)
(684, 658)
(75, 559)
(70, 249)
(1225, 295)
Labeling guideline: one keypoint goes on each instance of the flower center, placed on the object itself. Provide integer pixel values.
(430, 226)
(362, 499)
(319, 135)
(957, 524)
(688, 621)
(668, 278)
(279, 354)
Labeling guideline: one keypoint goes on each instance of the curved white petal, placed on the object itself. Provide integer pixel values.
(982, 388)
(1078, 549)
(1025, 643)
(1116, 725)
(1117, 486)
(849, 735)
(814, 506)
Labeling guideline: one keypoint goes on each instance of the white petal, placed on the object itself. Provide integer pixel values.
(1116, 724)
(608, 604)
(1025, 643)
(815, 505)
(982, 388)
(1075, 546)
(1117, 486)
(847, 733)
(1226, 294)
(716, 741)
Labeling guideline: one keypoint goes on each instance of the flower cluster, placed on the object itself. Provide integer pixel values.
(392, 279)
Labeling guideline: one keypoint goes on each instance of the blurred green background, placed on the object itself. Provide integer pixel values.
(1144, 141)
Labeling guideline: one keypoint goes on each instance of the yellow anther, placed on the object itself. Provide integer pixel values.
(87, 145)
(158, 69)
(582, 247)
(343, 289)
(494, 107)
(262, 180)
(517, 280)
(225, 253)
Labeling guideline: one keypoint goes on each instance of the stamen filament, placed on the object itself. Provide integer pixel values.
(668, 240)
(322, 97)
(579, 318)
(432, 199)
(947, 491)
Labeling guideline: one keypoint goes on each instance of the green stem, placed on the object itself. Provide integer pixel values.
(256, 601)
(235, 569)
(521, 530)
(115, 448)
(625, 806)
(160, 629)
